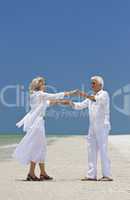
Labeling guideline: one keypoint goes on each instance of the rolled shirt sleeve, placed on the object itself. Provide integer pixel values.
(81, 105)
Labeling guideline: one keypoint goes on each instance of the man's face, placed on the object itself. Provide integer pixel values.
(95, 85)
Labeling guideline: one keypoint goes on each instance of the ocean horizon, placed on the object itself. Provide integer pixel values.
(12, 138)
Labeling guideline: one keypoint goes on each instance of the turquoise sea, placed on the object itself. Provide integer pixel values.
(12, 139)
(8, 143)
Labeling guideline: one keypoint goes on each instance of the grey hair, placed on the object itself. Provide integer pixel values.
(34, 85)
(99, 79)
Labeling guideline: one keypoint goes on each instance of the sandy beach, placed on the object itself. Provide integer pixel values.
(67, 162)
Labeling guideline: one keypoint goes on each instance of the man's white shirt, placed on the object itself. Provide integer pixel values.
(99, 110)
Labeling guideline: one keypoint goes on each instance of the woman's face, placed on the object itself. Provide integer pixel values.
(42, 86)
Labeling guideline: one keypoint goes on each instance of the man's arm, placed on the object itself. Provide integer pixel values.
(83, 94)
(107, 111)
(79, 106)
(104, 100)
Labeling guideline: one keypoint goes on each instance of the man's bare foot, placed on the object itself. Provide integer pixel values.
(88, 179)
(105, 178)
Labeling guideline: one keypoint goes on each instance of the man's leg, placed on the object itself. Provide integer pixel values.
(103, 150)
(92, 157)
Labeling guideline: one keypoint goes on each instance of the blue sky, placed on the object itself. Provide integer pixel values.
(67, 42)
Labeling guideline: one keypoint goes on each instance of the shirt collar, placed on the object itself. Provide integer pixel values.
(99, 92)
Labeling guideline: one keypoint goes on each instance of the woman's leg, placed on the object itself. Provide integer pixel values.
(42, 168)
(31, 175)
(43, 174)
(32, 169)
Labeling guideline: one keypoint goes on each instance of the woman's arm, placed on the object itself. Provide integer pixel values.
(60, 101)
(72, 93)
(59, 95)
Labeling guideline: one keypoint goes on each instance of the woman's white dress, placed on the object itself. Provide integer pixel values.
(33, 145)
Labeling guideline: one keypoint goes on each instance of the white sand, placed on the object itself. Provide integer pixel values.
(67, 162)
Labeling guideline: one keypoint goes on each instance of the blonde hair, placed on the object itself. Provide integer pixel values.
(34, 85)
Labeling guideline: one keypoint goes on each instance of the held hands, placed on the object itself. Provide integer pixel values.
(76, 93)
(72, 93)
(83, 94)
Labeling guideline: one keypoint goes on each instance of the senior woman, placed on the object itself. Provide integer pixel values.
(32, 148)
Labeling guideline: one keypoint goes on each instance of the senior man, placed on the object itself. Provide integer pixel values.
(99, 119)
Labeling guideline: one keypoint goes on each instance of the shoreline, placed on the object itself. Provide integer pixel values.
(8, 146)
